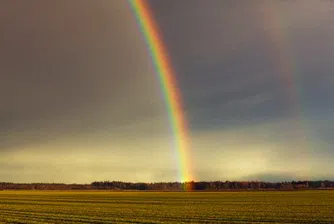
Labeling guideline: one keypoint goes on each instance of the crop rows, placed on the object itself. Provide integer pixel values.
(166, 207)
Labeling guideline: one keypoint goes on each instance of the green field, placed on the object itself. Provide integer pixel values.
(165, 207)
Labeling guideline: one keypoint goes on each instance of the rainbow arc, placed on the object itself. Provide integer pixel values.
(168, 83)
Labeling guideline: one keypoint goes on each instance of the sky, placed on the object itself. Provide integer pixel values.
(80, 99)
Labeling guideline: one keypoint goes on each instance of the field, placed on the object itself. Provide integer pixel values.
(166, 207)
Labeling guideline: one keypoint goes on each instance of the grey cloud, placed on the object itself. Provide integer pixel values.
(272, 177)
(230, 50)
(72, 67)
(77, 84)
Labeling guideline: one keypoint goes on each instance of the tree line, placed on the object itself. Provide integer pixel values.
(174, 186)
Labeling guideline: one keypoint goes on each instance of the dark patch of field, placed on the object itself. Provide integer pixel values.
(166, 207)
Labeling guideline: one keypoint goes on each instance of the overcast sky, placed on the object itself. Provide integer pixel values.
(80, 100)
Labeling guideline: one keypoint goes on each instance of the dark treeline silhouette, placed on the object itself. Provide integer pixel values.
(174, 186)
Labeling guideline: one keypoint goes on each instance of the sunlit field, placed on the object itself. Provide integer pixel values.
(166, 207)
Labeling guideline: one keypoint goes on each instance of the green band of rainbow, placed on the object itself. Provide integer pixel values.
(168, 84)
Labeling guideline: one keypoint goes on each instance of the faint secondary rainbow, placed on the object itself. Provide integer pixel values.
(168, 84)
(286, 64)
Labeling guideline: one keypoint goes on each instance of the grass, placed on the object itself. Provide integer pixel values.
(166, 207)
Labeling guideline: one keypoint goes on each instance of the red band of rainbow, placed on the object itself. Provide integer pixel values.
(168, 84)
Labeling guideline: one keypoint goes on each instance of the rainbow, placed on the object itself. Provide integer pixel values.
(168, 84)
(286, 65)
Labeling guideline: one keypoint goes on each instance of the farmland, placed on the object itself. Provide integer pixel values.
(166, 207)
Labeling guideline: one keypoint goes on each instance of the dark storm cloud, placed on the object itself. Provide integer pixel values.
(259, 70)
(226, 55)
(80, 101)
(71, 66)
